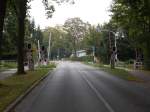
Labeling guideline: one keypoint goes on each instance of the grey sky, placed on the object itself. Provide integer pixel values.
(93, 11)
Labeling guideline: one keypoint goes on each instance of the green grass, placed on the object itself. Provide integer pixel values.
(50, 65)
(123, 74)
(14, 86)
(95, 64)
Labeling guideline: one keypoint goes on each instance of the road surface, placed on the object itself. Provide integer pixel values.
(75, 87)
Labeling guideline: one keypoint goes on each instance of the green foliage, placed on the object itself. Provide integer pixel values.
(66, 38)
(50, 65)
(20, 8)
(76, 29)
(93, 39)
(60, 42)
(134, 17)
(83, 59)
(10, 35)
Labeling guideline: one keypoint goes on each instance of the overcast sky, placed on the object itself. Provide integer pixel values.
(93, 11)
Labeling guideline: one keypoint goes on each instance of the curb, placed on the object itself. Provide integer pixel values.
(10, 107)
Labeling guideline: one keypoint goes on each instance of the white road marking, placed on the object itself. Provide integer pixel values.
(98, 94)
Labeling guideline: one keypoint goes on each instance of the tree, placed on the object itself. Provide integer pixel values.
(9, 34)
(32, 30)
(134, 17)
(38, 35)
(76, 28)
(21, 7)
(3, 4)
(92, 40)
(21, 32)
(21, 11)
(60, 42)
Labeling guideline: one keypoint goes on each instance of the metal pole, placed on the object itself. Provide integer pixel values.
(49, 48)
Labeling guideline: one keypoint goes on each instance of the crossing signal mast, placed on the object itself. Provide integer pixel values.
(113, 50)
(39, 50)
(30, 57)
(43, 59)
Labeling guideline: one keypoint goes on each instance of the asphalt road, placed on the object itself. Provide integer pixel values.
(75, 87)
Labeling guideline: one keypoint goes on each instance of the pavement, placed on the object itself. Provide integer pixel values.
(8, 72)
(75, 87)
(141, 74)
(144, 75)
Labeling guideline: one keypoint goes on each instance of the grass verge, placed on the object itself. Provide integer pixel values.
(14, 86)
(123, 74)
(50, 65)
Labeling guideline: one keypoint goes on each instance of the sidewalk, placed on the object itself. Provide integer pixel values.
(9, 72)
(145, 76)
(141, 74)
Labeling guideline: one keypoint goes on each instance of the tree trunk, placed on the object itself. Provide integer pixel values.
(3, 4)
(21, 33)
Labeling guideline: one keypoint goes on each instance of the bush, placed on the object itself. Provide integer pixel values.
(85, 58)
(50, 65)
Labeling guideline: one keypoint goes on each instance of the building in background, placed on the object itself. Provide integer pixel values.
(80, 53)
